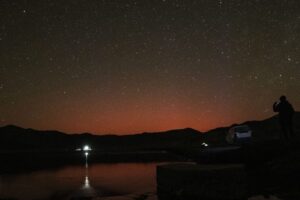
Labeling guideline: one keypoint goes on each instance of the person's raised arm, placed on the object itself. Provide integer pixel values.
(275, 107)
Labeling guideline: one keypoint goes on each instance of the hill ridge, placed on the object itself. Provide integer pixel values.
(15, 137)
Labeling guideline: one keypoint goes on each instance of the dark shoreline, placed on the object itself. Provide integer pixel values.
(255, 155)
(23, 162)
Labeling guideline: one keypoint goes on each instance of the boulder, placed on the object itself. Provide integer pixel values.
(203, 182)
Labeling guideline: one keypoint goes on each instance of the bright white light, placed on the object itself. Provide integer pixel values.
(86, 153)
(204, 144)
(87, 148)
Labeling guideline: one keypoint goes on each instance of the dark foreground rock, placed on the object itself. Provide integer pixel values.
(269, 168)
(192, 181)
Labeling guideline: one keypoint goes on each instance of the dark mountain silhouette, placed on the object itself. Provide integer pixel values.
(17, 138)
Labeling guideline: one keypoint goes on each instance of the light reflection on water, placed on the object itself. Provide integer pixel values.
(97, 179)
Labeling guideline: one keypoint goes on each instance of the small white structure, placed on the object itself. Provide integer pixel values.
(87, 148)
(239, 134)
(204, 144)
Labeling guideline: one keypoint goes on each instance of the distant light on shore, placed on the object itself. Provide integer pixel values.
(204, 144)
(87, 148)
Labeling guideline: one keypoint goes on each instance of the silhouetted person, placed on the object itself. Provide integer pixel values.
(286, 112)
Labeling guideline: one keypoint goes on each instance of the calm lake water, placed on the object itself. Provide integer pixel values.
(102, 179)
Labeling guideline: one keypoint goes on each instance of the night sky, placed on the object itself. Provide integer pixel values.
(133, 66)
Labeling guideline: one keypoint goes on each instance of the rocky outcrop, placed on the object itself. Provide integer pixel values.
(192, 181)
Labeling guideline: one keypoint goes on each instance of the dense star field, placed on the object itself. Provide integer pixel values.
(133, 66)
